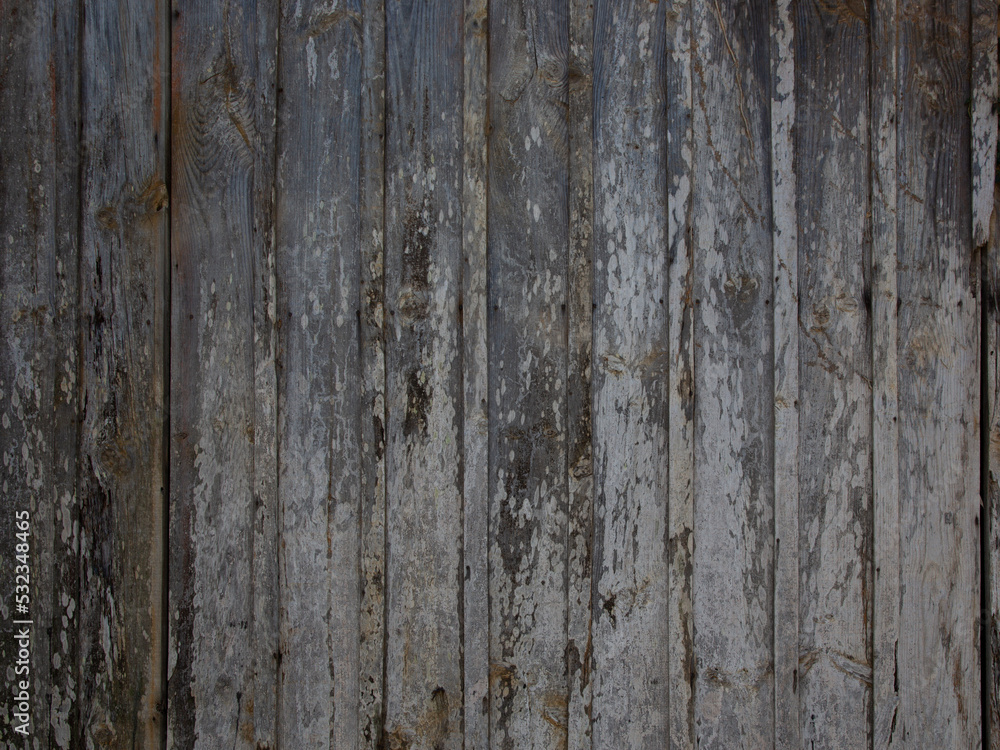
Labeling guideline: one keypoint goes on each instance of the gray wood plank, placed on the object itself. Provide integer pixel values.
(38, 390)
(424, 394)
(317, 225)
(835, 419)
(733, 377)
(223, 660)
(680, 441)
(985, 196)
(579, 342)
(885, 377)
(62, 717)
(372, 290)
(475, 426)
(630, 369)
(122, 297)
(939, 675)
(787, 415)
(528, 264)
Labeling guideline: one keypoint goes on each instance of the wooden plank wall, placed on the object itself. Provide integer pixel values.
(486, 374)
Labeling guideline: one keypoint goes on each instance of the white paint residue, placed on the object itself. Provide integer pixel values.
(311, 60)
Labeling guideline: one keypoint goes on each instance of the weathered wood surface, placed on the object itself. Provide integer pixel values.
(547, 374)
(833, 401)
(226, 649)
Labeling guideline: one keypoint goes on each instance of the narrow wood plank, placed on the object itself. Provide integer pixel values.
(733, 556)
(680, 441)
(832, 150)
(317, 224)
(787, 415)
(122, 277)
(630, 378)
(424, 395)
(528, 264)
(579, 519)
(985, 196)
(475, 372)
(62, 718)
(223, 660)
(938, 650)
(372, 291)
(885, 378)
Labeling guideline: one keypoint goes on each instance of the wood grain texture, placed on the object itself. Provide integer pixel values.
(579, 342)
(985, 74)
(787, 366)
(528, 254)
(38, 369)
(224, 649)
(885, 377)
(122, 296)
(680, 440)
(372, 290)
(424, 395)
(938, 364)
(475, 373)
(733, 380)
(630, 591)
(835, 420)
(317, 225)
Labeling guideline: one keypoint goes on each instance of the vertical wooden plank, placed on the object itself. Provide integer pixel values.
(528, 264)
(835, 461)
(122, 297)
(785, 240)
(475, 427)
(733, 557)
(38, 343)
(630, 378)
(885, 379)
(424, 396)
(317, 224)
(579, 519)
(372, 290)
(223, 574)
(680, 441)
(62, 719)
(985, 74)
(938, 650)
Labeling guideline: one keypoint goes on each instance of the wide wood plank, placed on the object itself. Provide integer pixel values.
(680, 441)
(424, 396)
(529, 245)
(39, 541)
(733, 377)
(122, 297)
(475, 426)
(579, 342)
(834, 456)
(630, 378)
(224, 649)
(317, 225)
(938, 649)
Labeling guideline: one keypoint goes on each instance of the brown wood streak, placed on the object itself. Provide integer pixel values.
(528, 254)
(222, 667)
(938, 322)
(122, 296)
(424, 396)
